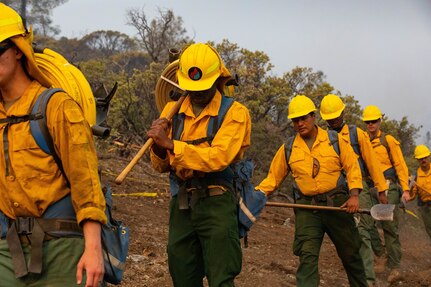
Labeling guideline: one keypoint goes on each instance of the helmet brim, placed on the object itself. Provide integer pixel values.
(200, 85)
(24, 45)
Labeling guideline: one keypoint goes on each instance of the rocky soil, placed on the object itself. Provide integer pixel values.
(268, 260)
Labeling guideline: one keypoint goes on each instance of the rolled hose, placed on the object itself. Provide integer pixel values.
(69, 78)
(164, 89)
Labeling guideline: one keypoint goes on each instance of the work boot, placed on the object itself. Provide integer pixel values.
(380, 264)
(395, 275)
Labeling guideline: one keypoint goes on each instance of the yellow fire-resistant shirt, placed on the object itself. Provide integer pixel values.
(31, 180)
(369, 157)
(422, 185)
(301, 165)
(397, 157)
(228, 146)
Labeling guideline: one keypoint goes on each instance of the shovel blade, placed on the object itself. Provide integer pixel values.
(383, 212)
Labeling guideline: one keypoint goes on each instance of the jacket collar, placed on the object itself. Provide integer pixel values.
(210, 110)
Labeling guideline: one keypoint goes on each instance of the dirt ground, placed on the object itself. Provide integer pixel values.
(268, 260)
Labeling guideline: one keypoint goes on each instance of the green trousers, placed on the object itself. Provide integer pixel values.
(60, 258)
(365, 226)
(390, 231)
(310, 228)
(426, 217)
(204, 241)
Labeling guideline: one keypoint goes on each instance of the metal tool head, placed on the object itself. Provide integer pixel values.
(383, 212)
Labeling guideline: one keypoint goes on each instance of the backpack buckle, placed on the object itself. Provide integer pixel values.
(24, 225)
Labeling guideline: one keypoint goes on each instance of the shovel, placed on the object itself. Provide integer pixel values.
(378, 211)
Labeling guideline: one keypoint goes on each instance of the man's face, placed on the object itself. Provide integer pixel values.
(373, 126)
(424, 162)
(7, 60)
(304, 125)
(202, 98)
(336, 123)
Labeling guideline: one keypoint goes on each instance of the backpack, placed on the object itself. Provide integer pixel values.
(354, 142)
(391, 172)
(250, 201)
(333, 140)
(115, 236)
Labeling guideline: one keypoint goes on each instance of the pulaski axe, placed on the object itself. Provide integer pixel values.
(120, 178)
(378, 211)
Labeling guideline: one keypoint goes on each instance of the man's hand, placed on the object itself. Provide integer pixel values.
(159, 133)
(383, 198)
(92, 259)
(352, 204)
(406, 195)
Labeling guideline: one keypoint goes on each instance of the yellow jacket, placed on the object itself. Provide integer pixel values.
(301, 166)
(397, 157)
(422, 185)
(32, 181)
(228, 146)
(369, 156)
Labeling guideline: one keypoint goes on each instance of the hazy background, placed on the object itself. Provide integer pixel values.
(377, 51)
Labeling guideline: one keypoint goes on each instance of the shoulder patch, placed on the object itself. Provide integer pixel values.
(239, 116)
(396, 141)
(74, 115)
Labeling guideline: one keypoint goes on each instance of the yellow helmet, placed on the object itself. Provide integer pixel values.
(199, 67)
(421, 151)
(371, 113)
(300, 106)
(12, 27)
(10, 23)
(331, 107)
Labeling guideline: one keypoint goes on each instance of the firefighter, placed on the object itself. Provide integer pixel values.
(203, 224)
(33, 189)
(332, 111)
(390, 156)
(316, 167)
(422, 185)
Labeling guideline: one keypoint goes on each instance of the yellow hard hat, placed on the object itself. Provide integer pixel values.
(10, 23)
(300, 106)
(12, 27)
(421, 151)
(199, 67)
(371, 113)
(331, 107)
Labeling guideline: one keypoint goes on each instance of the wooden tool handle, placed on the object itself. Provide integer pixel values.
(120, 178)
(314, 207)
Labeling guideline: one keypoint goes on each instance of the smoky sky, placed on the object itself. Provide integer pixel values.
(377, 51)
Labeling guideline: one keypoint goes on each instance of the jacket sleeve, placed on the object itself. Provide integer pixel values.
(399, 162)
(231, 139)
(350, 164)
(278, 171)
(162, 164)
(371, 161)
(74, 143)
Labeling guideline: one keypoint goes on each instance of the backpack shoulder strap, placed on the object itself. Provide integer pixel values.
(177, 126)
(384, 142)
(354, 142)
(216, 122)
(288, 148)
(333, 139)
(39, 128)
